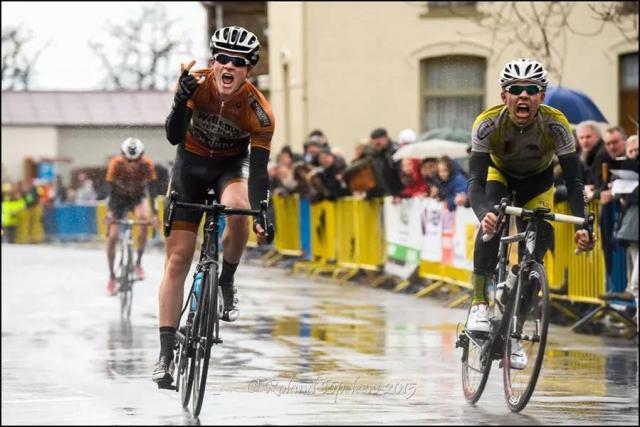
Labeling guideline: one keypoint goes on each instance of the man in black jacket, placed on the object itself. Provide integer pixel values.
(386, 169)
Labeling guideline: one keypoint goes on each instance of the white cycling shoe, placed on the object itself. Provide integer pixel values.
(518, 359)
(478, 320)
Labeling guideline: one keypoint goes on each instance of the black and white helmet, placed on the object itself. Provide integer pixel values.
(236, 39)
(523, 70)
(132, 148)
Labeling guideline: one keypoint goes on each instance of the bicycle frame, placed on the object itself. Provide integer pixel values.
(202, 326)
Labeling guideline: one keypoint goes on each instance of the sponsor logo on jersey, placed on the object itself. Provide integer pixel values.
(263, 117)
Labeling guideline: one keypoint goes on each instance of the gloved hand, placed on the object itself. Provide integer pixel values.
(187, 84)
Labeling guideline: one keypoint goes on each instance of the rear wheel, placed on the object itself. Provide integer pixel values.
(529, 333)
(208, 331)
(186, 363)
(476, 364)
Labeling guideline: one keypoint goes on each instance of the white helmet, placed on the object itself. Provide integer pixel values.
(523, 70)
(406, 136)
(132, 148)
(236, 39)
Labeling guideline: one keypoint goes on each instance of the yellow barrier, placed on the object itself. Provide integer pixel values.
(287, 224)
(584, 273)
(29, 228)
(359, 234)
(323, 231)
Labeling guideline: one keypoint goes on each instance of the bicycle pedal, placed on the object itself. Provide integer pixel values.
(166, 386)
(217, 340)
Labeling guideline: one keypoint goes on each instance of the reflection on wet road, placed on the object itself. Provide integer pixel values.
(302, 352)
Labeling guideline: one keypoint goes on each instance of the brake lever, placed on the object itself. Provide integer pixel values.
(501, 214)
(589, 226)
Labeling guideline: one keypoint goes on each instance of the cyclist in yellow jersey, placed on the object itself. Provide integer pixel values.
(513, 147)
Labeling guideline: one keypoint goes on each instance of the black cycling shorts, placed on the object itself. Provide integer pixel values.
(121, 205)
(193, 175)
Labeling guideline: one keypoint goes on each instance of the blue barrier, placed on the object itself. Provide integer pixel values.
(305, 228)
(74, 222)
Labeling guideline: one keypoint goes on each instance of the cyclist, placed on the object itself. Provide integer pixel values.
(128, 177)
(222, 125)
(513, 147)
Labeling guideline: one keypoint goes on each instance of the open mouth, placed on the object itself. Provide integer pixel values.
(522, 110)
(227, 79)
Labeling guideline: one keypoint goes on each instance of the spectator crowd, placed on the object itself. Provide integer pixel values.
(321, 172)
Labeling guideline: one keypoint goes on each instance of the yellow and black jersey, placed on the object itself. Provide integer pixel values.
(522, 152)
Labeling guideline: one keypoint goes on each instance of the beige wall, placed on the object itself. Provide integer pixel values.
(84, 146)
(356, 65)
(91, 147)
(19, 142)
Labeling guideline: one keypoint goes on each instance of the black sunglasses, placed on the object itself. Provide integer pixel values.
(530, 89)
(238, 61)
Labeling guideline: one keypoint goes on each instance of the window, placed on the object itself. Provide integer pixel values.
(443, 9)
(453, 90)
(628, 107)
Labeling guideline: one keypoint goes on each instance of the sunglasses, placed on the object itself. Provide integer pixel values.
(238, 61)
(530, 89)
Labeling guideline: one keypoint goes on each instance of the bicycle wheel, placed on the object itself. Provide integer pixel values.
(186, 361)
(208, 332)
(531, 328)
(125, 282)
(476, 365)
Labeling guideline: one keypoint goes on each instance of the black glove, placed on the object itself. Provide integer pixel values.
(270, 231)
(187, 85)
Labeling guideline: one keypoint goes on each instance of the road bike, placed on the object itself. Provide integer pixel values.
(201, 329)
(519, 317)
(125, 268)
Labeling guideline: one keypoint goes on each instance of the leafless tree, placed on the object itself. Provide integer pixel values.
(17, 65)
(541, 28)
(138, 53)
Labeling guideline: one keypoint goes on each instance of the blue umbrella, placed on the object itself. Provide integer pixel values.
(574, 104)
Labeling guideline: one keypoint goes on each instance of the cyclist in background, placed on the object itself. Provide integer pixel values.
(513, 147)
(222, 125)
(128, 177)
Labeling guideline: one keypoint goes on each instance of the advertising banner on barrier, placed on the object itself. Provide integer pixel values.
(431, 221)
(403, 235)
(466, 227)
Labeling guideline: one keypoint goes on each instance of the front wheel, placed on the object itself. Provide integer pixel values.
(125, 281)
(527, 338)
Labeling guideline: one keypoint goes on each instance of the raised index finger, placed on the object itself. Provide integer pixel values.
(187, 67)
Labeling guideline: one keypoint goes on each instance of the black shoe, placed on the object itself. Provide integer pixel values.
(163, 372)
(231, 312)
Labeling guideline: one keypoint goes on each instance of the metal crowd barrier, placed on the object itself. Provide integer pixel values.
(348, 236)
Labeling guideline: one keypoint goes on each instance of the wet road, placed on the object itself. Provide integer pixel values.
(303, 352)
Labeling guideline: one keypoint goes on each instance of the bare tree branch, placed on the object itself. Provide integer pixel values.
(542, 28)
(141, 50)
(17, 66)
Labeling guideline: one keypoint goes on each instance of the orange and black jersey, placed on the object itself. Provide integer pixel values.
(208, 127)
(225, 129)
(129, 178)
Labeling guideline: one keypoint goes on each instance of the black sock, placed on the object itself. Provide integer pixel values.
(167, 341)
(228, 271)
